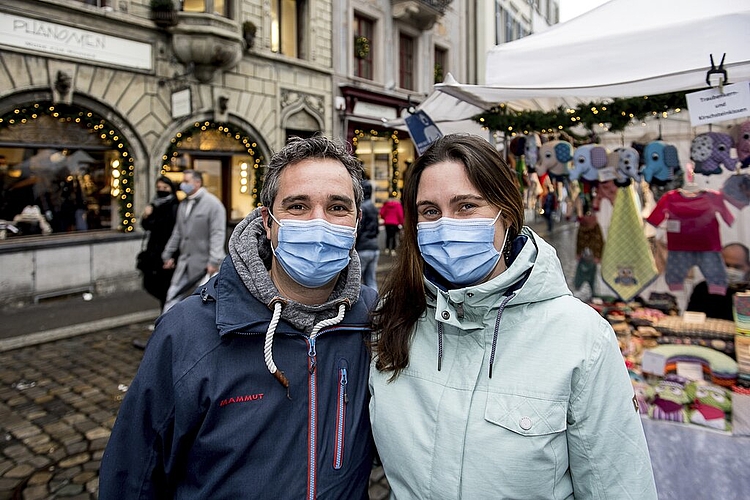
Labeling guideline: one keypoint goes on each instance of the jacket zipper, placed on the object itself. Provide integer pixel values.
(313, 412)
(312, 421)
(343, 400)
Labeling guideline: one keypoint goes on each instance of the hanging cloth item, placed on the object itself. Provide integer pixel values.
(627, 263)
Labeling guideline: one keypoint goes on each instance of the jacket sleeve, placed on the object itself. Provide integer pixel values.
(174, 240)
(218, 234)
(609, 457)
(137, 459)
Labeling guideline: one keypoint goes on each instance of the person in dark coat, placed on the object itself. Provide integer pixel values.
(736, 258)
(367, 239)
(255, 386)
(159, 219)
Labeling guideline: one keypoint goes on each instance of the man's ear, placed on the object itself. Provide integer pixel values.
(267, 221)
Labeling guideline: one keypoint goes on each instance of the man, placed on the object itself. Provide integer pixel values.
(198, 238)
(256, 385)
(737, 263)
(367, 239)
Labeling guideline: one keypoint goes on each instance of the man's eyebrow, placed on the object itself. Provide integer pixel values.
(294, 198)
(289, 200)
(342, 198)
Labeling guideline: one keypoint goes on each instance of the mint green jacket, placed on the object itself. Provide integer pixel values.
(512, 392)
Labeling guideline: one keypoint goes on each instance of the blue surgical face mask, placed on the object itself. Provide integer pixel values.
(312, 252)
(461, 250)
(187, 188)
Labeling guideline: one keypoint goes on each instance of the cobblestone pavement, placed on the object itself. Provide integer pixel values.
(58, 403)
(59, 400)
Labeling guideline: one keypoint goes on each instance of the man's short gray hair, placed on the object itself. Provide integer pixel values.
(298, 149)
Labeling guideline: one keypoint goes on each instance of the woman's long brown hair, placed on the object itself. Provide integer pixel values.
(403, 294)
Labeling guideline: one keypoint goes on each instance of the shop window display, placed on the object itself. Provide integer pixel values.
(63, 169)
(72, 189)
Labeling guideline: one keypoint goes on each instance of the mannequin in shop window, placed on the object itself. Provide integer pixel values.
(737, 263)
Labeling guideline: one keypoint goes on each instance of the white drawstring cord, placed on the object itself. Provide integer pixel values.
(268, 345)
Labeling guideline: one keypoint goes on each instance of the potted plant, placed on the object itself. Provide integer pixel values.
(163, 13)
(248, 33)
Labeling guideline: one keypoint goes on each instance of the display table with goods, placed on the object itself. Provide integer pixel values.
(685, 368)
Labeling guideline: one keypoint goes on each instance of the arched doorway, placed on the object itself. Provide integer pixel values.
(230, 159)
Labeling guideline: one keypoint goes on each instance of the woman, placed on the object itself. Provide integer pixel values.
(392, 214)
(158, 219)
(489, 379)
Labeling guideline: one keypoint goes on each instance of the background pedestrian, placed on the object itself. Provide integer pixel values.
(392, 213)
(196, 247)
(367, 238)
(158, 219)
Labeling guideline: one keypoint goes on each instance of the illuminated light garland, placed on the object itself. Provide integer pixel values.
(91, 121)
(614, 114)
(230, 131)
(394, 163)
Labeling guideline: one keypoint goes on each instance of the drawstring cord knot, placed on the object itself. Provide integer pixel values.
(277, 304)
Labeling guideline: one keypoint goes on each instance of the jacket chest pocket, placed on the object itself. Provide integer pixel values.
(526, 416)
(532, 436)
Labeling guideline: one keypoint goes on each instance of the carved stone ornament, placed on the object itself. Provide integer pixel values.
(294, 97)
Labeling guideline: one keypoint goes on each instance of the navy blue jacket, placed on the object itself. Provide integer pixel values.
(204, 418)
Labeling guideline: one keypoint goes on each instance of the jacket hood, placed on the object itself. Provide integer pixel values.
(535, 275)
(250, 252)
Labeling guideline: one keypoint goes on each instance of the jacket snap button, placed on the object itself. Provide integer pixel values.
(446, 315)
(525, 423)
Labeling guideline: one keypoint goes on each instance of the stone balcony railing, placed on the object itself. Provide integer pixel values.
(421, 13)
(208, 42)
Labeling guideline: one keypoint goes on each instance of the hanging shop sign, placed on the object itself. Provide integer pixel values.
(181, 103)
(65, 41)
(423, 130)
(719, 104)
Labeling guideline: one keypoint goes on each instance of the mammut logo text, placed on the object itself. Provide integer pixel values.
(241, 399)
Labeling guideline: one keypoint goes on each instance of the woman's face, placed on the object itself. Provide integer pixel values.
(163, 186)
(445, 191)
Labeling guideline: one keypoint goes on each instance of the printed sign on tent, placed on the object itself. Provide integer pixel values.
(718, 105)
(423, 130)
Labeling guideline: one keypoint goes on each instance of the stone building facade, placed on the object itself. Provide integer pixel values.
(99, 97)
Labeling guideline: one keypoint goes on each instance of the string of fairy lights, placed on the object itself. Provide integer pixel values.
(611, 115)
(122, 186)
(123, 168)
(394, 168)
(230, 131)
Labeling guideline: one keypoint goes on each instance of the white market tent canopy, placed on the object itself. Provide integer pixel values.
(623, 48)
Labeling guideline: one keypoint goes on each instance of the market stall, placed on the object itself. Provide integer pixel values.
(635, 198)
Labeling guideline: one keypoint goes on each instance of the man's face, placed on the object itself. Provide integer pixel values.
(315, 188)
(191, 180)
(734, 257)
